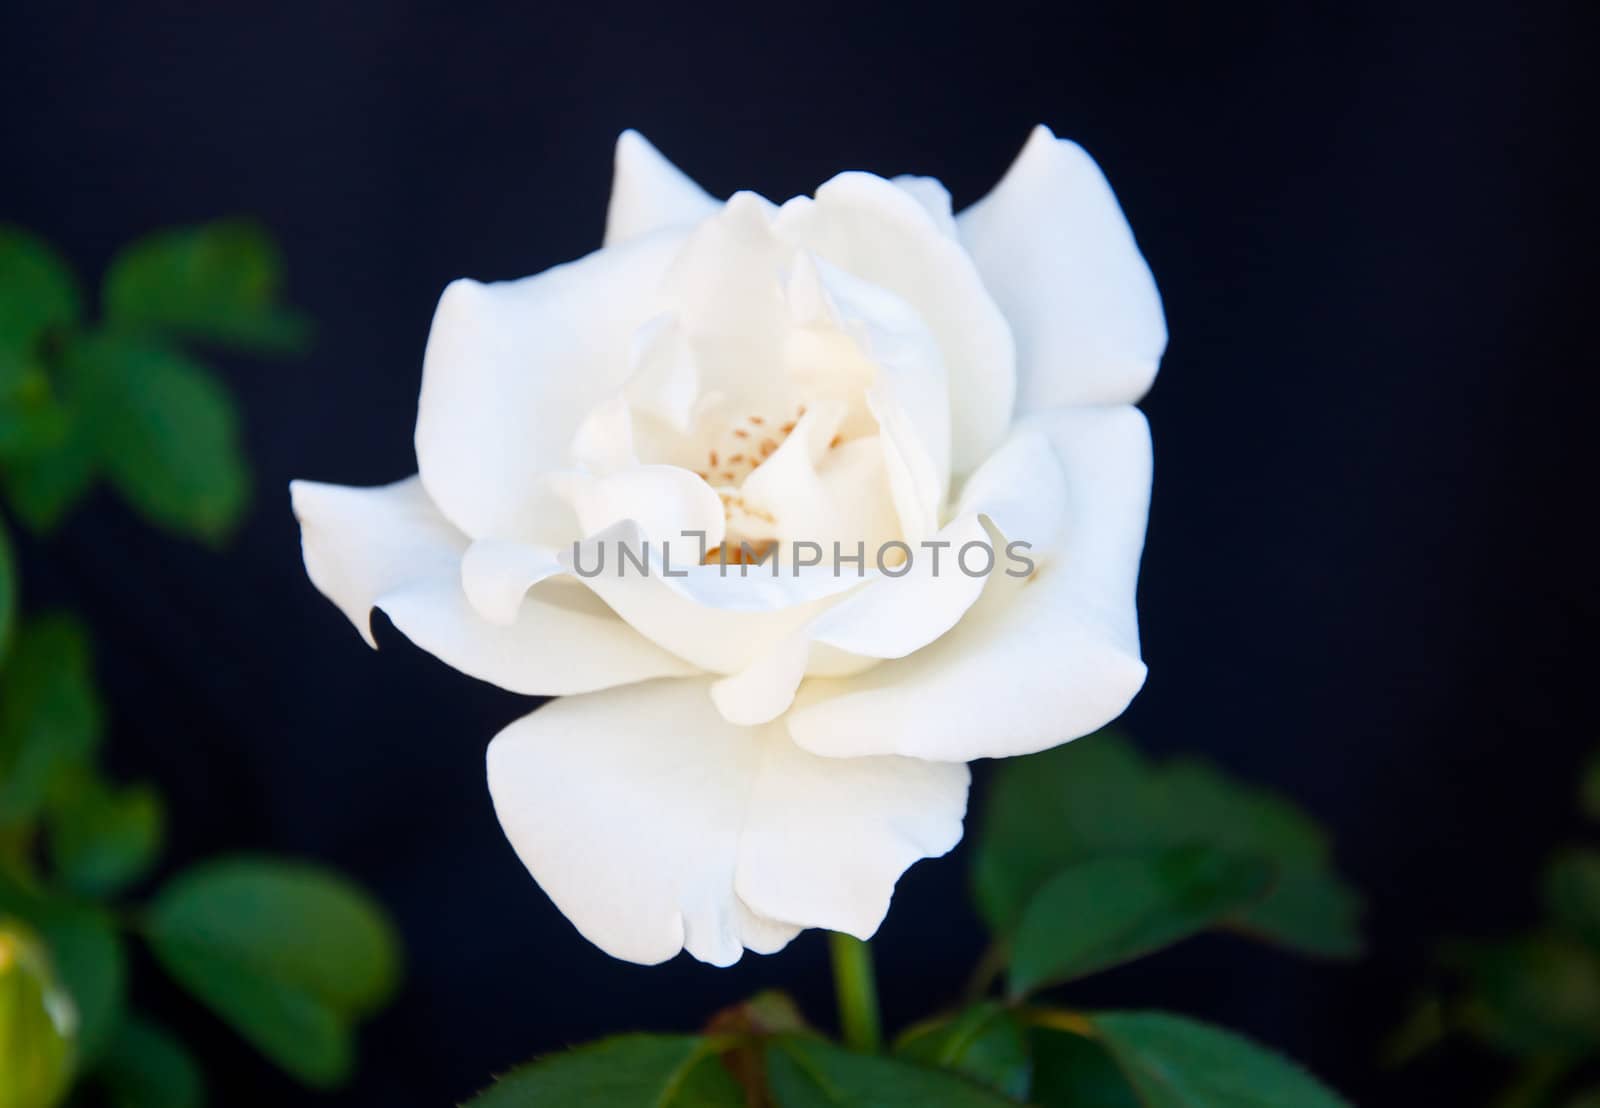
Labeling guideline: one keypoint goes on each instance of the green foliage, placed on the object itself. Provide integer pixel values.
(38, 299)
(50, 715)
(216, 283)
(103, 837)
(37, 1023)
(290, 955)
(166, 435)
(1104, 911)
(628, 1071)
(1534, 997)
(985, 1042)
(807, 1072)
(120, 399)
(1174, 1062)
(145, 1067)
(87, 952)
(1572, 894)
(1099, 797)
(1072, 1070)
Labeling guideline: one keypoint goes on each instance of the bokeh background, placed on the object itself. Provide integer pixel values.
(1362, 583)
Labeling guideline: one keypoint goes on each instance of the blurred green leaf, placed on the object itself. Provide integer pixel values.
(87, 953)
(8, 592)
(1312, 911)
(217, 282)
(1105, 911)
(1073, 1071)
(1533, 995)
(1589, 788)
(37, 1023)
(145, 1067)
(626, 1071)
(50, 715)
(984, 1042)
(1175, 1062)
(290, 955)
(37, 295)
(807, 1072)
(32, 421)
(1572, 893)
(103, 838)
(167, 436)
(1098, 796)
(44, 485)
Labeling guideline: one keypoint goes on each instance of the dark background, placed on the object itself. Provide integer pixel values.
(1361, 583)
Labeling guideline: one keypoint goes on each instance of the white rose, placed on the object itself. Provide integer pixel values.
(737, 758)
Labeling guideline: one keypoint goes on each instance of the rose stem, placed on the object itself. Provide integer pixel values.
(858, 993)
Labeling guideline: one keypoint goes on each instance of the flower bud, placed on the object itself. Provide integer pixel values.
(38, 1023)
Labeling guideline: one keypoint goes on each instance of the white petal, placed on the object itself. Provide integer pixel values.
(1057, 253)
(655, 825)
(1036, 661)
(893, 616)
(513, 368)
(763, 691)
(649, 193)
(827, 838)
(496, 575)
(665, 501)
(361, 543)
(934, 198)
(1022, 490)
(718, 619)
(390, 548)
(878, 232)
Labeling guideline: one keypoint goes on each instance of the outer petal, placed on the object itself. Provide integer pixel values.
(649, 193)
(512, 369)
(1063, 644)
(874, 230)
(1056, 252)
(390, 548)
(656, 826)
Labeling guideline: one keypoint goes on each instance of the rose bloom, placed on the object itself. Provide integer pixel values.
(737, 757)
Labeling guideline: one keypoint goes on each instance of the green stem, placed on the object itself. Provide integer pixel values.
(858, 992)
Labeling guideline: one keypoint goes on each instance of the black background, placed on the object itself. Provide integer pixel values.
(1361, 583)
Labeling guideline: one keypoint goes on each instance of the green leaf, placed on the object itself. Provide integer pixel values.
(984, 1042)
(88, 955)
(1098, 796)
(166, 435)
(36, 1023)
(1071, 1071)
(44, 485)
(806, 1072)
(1110, 910)
(103, 838)
(8, 592)
(145, 1067)
(626, 1071)
(50, 716)
(1572, 893)
(1049, 810)
(37, 295)
(290, 955)
(1174, 1062)
(1534, 995)
(1309, 910)
(1589, 788)
(216, 282)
